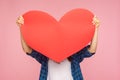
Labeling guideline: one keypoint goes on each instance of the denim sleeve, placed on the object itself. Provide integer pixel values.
(38, 56)
(84, 53)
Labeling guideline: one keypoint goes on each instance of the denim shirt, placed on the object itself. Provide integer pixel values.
(75, 61)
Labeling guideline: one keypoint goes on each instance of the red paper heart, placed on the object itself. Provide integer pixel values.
(58, 39)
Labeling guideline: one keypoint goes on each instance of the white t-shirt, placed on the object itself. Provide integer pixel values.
(59, 71)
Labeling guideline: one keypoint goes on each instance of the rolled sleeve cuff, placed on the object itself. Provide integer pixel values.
(88, 53)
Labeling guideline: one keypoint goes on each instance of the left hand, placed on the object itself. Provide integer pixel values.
(96, 21)
(20, 21)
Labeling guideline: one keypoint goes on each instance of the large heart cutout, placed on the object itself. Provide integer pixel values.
(58, 39)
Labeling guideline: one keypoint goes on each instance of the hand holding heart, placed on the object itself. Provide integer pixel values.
(58, 39)
(96, 21)
(20, 21)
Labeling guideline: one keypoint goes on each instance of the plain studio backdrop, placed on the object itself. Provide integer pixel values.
(16, 65)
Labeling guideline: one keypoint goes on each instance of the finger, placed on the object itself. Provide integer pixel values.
(21, 17)
(97, 21)
(94, 17)
(20, 22)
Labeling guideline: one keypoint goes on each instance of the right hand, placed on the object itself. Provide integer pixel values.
(96, 21)
(20, 21)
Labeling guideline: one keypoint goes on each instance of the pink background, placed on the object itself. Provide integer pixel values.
(16, 65)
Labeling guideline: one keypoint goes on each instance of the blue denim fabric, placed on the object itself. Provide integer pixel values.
(75, 61)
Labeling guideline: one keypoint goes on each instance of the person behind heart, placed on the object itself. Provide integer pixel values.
(69, 69)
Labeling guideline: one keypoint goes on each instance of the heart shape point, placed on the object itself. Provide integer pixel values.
(58, 39)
